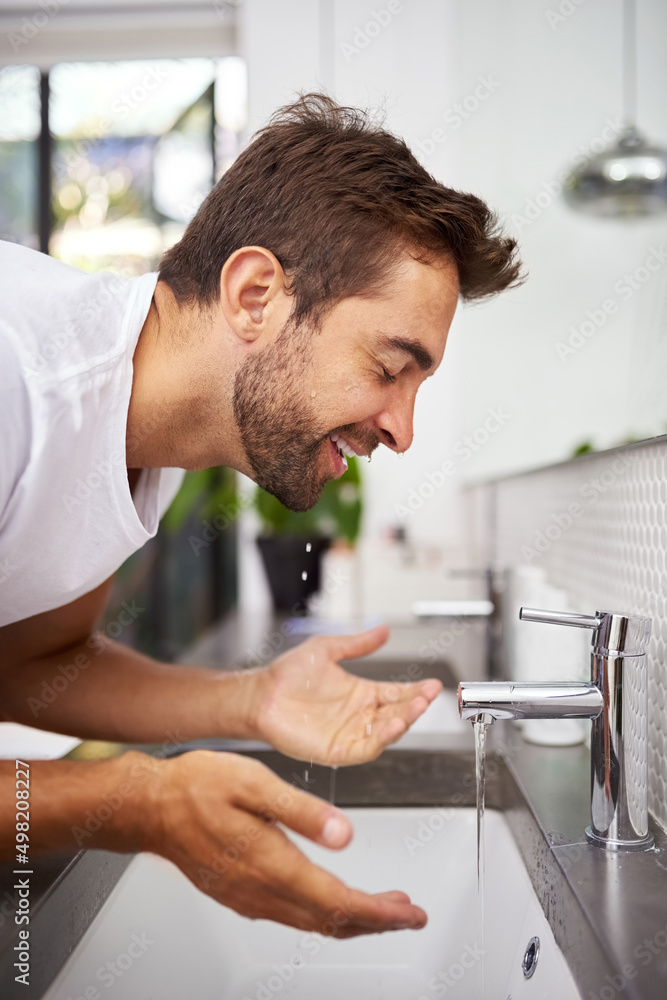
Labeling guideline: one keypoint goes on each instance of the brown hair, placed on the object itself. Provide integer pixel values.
(338, 200)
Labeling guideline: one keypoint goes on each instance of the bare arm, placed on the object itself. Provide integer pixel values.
(214, 815)
(58, 674)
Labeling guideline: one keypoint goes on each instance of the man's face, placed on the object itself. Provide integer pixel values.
(351, 385)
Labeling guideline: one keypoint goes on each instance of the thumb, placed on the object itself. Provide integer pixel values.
(347, 647)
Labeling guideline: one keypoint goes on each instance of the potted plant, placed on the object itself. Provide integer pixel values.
(292, 543)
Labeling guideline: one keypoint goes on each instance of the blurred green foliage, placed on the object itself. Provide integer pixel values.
(203, 494)
(336, 515)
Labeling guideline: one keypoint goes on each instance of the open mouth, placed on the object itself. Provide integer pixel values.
(339, 459)
(341, 450)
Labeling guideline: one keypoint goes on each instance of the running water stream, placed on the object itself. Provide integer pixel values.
(479, 726)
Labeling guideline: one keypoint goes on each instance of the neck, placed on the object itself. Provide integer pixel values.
(180, 412)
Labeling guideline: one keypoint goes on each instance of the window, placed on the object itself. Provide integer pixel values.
(134, 148)
(19, 167)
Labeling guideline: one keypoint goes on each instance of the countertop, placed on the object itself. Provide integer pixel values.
(608, 911)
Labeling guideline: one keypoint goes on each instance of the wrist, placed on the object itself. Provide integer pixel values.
(134, 795)
(239, 701)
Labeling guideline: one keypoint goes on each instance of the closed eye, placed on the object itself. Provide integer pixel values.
(387, 376)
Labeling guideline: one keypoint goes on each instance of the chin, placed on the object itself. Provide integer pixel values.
(298, 498)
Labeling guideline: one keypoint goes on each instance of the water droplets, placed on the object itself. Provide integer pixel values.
(369, 728)
(309, 546)
(304, 575)
(312, 394)
(400, 454)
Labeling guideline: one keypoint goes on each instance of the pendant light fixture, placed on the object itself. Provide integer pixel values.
(629, 179)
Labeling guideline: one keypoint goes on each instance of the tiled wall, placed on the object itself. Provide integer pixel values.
(598, 525)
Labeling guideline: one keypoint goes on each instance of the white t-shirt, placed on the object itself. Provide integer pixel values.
(67, 517)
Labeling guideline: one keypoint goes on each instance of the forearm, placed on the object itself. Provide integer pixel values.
(102, 690)
(104, 804)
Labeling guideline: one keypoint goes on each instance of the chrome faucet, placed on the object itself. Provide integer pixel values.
(615, 699)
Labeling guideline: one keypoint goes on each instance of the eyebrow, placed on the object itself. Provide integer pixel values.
(416, 350)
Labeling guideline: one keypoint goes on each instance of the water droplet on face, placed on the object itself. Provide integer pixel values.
(304, 575)
(312, 657)
(401, 454)
(305, 775)
(313, 394)
(369, 728)
(308, 546)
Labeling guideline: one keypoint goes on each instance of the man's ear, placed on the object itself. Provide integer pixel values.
(253, 293)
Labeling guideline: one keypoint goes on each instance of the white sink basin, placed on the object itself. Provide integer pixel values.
(165, 940)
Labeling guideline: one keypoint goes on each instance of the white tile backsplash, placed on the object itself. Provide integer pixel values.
(598, 526)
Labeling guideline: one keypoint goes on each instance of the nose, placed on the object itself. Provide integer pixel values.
(395, 424)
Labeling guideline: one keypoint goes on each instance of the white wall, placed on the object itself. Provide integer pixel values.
(550, 89)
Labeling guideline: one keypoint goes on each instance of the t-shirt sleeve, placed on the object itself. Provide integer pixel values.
(15, 422)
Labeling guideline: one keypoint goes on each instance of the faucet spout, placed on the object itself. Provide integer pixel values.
(506, 700)
(616, 700)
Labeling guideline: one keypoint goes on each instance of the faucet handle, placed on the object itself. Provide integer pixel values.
(559, 618)
(614, 631)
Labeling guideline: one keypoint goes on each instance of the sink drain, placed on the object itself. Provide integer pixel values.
(530, 957)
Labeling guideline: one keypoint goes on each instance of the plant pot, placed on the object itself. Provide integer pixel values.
(287, 560)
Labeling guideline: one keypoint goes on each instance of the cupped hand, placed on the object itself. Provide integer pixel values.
(308, 707)
(215, 816)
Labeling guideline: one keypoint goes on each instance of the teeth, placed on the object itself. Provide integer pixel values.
(343, 446)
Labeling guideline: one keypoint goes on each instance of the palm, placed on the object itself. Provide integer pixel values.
(313, 709)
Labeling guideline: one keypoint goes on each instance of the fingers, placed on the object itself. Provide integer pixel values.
(270, 797)
(398, 693)
(347, 647)
(430, 688)
(326, 897)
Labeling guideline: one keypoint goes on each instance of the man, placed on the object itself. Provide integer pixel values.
(309, 298)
